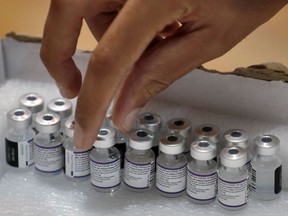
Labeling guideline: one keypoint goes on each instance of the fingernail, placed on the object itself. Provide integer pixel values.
(130, 120)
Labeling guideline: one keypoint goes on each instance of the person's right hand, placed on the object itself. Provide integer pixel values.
(131, 61)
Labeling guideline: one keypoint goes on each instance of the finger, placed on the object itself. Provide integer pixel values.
(60, 36)
(114, 57)
(159, 68)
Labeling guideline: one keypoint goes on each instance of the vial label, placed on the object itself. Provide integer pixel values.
(49, 159)
(248, 166)
(170, 180)
(232, 194)
(201, 187)
(105, 175)
(19, 154)
(139, 176)
(77, 164)
(277, 180)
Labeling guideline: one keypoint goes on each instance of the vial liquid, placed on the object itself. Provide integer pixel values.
(239, 138)
(61, 107)
(76, 165)
(48, 145)
(105, 162)
(202, 173)
(182, 126)
(233, 179)
(171, 166)
(266, 181)
(139, 169)
(33, 102)
(211, 133)
(122, 140)
(19, 137)
(152, 122)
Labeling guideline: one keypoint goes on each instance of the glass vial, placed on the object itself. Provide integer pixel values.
(122, 140)
(35, 103)
(182, 126)
(211, 133)
(233, 179)
(266, 181)
(202, 173)
(76, 160)
(19, 137)
(105, 162)
(139, 169)
(61, 107)
(152, 122)
(48, 145)
(239, 138)
(171, 168)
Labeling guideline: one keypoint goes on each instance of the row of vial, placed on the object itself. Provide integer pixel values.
(201, 178)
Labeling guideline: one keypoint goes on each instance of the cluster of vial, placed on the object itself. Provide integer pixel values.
(176, 159)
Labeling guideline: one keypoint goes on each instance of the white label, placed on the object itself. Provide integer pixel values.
(105, 175)
(77, 164)
(232, 194)
(49, 159)
(248, 166)
(201, 187)
(139, 176)
(170, 180)
(25, 153)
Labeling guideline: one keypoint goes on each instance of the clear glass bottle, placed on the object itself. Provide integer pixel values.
(139, 169)
(61, 107)
(266, 181)
(35, 103)
(171, 166)
(239, 138)
(233, 179)
(18, 139)
(152, 122)
(105, 162)
(122, 140)
(182, 126)
(202, 172)
(212, 133)
(77, 166)
(48, 145)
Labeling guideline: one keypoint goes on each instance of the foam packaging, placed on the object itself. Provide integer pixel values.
(227, 101)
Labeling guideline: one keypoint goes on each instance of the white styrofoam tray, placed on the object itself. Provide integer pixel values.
(227, 101)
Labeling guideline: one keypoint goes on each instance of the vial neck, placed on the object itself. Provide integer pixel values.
(202, 163)
(50, 136)
(266, 157)
(21, 132)
(104, 151)
(171, 156)
(139, 152)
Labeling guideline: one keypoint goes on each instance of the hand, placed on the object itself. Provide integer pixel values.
(133, 62)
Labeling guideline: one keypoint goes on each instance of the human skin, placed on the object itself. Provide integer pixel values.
(143, 47)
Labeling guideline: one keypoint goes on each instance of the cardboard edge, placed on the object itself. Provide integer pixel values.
(2, 63)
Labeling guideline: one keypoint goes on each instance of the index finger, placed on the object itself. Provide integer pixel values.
(121, 46)
(60, 36)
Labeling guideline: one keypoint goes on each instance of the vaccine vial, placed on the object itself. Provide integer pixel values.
(76, 160)
(233, 179)
(239, 138)
(61, 107)
(19, 137)
(48, 145)
(122, 139)
(35, 103)
(266, 181)
(202, 173)
(152, 122)
(105, 162)
(139, 169)
(171, 166)
(211, 133)
(182, 126)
